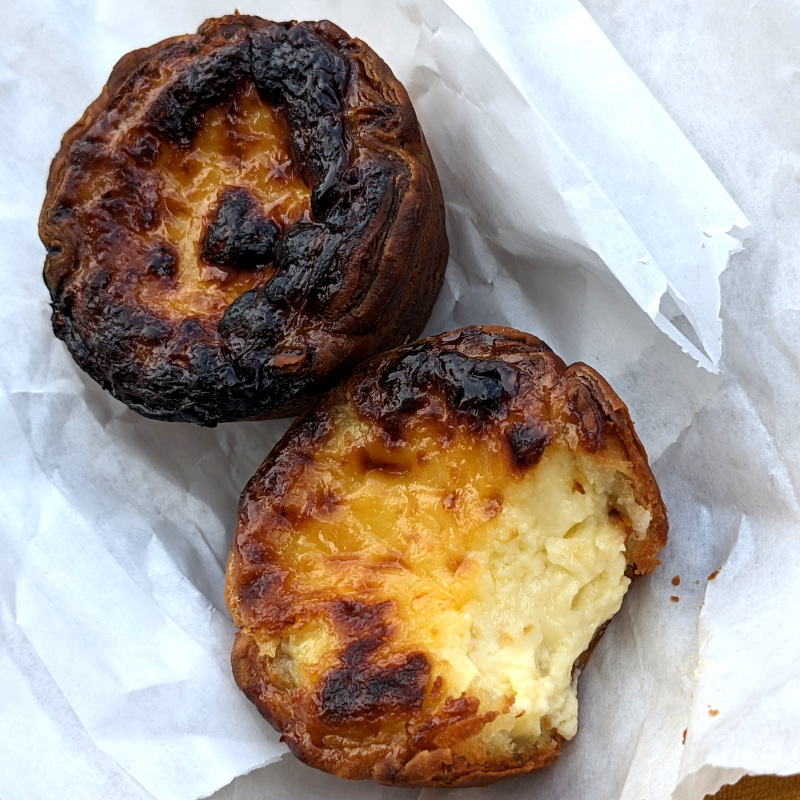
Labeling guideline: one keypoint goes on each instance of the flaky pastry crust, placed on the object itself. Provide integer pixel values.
(336, 584)
(242, 216)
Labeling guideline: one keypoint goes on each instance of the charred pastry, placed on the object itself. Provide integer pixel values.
(424, 563)
(239, 234)
(242, 216)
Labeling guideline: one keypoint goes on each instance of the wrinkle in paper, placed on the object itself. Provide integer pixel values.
(118, 527)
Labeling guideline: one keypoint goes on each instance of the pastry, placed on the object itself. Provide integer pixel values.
(242, 216)
(423, 564)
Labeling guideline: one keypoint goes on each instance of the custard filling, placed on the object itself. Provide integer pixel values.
(500, 576)
(244, 144)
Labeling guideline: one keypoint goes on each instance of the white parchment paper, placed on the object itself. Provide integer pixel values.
(577, 211)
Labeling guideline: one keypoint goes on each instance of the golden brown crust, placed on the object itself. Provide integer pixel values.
(597, 404)
(340, 270)
(370, 703)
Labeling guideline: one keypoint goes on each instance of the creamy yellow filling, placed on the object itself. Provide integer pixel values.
(244, 144)
(501, 577)
(247, 148)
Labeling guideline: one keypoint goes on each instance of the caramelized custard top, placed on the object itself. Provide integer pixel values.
(243, 144)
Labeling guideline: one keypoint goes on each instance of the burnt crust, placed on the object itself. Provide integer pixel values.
(356, 274)
(377, 712)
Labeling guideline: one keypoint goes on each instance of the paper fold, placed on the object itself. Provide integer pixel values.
(561, 223)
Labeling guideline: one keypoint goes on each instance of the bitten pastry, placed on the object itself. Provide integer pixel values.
(242, 216)
(423, 564)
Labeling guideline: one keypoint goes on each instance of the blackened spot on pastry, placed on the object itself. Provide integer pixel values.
(307, 267)
(359, 198)
(94, 295)
(249, 331)
(144, 149)
(249, 324)
(400, 382)
(134, 200)
(475, 385)
(364, 686)
(210, 80)
(264, 601)
(299, 72)
(476, 390)
(239, 235)
(61, 212)
(359, 689)
(155, 330)
(84, 155)
(191, 329)
(163, 260)
(527, 444)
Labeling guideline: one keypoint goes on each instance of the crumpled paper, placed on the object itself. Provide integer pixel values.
(729, 78)
(576, 211)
